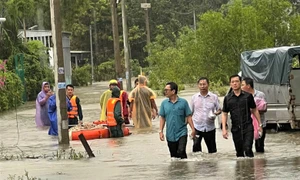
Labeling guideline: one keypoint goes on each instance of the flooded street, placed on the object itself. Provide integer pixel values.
(138, 156)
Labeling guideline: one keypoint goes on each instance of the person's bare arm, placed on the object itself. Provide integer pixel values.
(190, 122)
(224, 122)
(218, 112)
(131, 108)
(255, 112)
(161, 128)
(263, 111)
(153, 105)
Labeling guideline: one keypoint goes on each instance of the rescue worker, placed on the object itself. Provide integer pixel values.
(104, 98)
(124, 102)
(76, 111)
(114, 118)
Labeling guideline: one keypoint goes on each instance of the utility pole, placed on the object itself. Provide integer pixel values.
(147, 6)
(91, 47)
(62, 123)
(125, 39)
(96, 52)
(114, 22)
(194, 18)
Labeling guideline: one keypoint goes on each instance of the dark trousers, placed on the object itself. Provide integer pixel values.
(72, 122)
(243, 140)
(116, 131)
(126, 120)
(209, 138)
(178, 149)
(260, 143)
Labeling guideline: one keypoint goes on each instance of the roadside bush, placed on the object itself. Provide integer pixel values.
(11, 92)
(105, 71)
(82, 76)
(218, 88)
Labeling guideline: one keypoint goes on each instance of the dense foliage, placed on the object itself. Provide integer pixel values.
(213, 50)
(11, 89)
(82, 76)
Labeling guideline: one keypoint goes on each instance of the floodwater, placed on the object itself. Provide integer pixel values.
(138, 156)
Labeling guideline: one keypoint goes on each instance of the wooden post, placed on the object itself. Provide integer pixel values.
(62, 118)
(86, 145)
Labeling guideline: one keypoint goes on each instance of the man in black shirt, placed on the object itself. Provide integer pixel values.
(240, 104)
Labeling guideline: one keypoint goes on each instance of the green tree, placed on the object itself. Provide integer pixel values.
(214, 49)
(24, 9)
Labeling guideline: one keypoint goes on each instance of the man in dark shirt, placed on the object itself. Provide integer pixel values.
(240, 104)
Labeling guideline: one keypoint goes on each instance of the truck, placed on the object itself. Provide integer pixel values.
(276, 72)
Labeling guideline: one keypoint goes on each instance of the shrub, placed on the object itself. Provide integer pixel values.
(105, 71)
(11, 92)
(81, 76)
(218, 88)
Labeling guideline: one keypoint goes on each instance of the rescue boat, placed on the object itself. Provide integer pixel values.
(97, 132)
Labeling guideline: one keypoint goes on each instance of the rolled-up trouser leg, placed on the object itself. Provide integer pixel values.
(181, 151)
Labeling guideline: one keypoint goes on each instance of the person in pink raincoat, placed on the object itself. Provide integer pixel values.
(261, 105)
(41, 116)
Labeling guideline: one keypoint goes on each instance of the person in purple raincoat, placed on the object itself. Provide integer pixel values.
(41, 116)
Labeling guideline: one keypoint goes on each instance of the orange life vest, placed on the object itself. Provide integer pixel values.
(110, 109)
(74, 112)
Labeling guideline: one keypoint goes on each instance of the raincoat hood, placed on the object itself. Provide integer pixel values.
(115, 92)
(43, 84)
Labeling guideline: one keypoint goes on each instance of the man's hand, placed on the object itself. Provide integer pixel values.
(49, 93)
(161, 136)
(154, 114)
(225, 133)
(80, 122)
(193, 134)
(260, 129)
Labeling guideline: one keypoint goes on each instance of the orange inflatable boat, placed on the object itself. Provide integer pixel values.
(94, 133)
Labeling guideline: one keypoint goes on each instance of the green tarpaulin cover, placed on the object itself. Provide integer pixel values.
(269, 66)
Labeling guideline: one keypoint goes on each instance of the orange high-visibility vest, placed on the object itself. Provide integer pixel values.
(110, 109)
(74, 112)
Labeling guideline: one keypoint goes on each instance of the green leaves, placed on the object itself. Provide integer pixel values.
(11, 92)
(214, 49)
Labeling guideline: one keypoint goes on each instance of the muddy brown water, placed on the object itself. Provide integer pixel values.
(138, 156)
